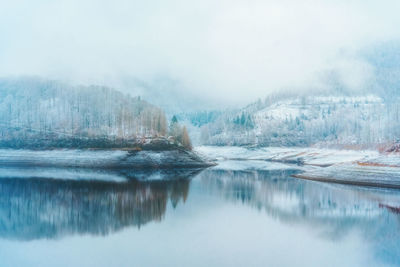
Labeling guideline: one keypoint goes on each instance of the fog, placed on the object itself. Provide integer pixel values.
(221, 52)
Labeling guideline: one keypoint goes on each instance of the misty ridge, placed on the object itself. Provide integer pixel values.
(350, 102)
(353, 121)
(332, 113)
(43, 113)
(328, 80)
(40, 113)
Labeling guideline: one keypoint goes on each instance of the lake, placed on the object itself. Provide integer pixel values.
(214, 217)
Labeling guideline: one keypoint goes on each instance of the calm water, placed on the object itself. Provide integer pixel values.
(211, 218)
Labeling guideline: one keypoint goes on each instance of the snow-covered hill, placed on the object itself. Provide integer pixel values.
(54, 114)
(365, 120)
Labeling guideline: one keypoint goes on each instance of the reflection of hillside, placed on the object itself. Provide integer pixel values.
(49, 208)
(331, 210)
(294, 200)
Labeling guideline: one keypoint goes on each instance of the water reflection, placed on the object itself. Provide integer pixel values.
(37, 208)
(32, 208)
(290, 199)
(330, 209)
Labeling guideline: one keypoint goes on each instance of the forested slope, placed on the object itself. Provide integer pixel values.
(36, 112)
(293, 120)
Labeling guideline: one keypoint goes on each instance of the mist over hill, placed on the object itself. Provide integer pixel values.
(47, 111)
(338, 109)
(332, 112)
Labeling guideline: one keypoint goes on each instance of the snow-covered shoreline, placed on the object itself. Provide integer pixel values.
(366, 168)
(300, 155)
(104, 159)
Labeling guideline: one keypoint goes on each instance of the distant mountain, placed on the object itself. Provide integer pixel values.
(333, 115)
(301, 120)
(169, 94)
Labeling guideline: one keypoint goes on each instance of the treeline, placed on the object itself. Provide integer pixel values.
(305, 120)
(89, 207)
(33, 109)
(200, 118)
(180, 133)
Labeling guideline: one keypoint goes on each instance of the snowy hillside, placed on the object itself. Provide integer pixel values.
(50, 113)
(307, 120)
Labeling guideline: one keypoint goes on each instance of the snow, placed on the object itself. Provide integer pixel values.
(63, 156)
(103, 159)
(278, 111)
(342, 166)
(224, 152)
(59, 173)
(310, 120)
(246, 165)
(307, 156)
(42, 113)
(353, 173)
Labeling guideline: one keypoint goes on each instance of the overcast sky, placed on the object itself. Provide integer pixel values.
(231, 51)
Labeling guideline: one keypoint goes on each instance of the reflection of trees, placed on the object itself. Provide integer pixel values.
(37, 208)
(295, 200)
(332, 209)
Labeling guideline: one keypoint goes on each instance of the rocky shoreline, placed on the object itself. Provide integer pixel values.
(104, 159)
(351, 167)
(152, 153)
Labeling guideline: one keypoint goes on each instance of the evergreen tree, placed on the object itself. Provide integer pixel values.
(174, 128)
(179, 133)
(243, 120)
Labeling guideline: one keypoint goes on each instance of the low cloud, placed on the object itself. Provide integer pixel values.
(229, 52)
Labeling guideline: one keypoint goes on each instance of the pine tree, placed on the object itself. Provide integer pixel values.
(243, 120)
(174, 128)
